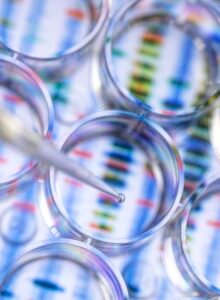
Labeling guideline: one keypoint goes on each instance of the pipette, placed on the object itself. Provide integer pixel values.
(14, 132)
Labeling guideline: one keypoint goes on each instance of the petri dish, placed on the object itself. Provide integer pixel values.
(24, 95)
(191, 243)
(51, 36)
(132, 155)
(63, 270)
(167, 71)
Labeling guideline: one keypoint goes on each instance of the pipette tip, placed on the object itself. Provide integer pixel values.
(121, 198)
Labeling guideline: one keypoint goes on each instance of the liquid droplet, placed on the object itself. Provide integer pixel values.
(121, 198)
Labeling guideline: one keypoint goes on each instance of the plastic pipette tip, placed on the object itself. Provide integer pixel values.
(121, 198)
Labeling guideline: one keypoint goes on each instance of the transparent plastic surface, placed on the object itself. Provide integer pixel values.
(36, 271)
(120, 146)
(168, 69)
(24, 95)
(59, 32)
(192, 243)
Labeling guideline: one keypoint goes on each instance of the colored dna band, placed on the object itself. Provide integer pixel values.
(142, 78)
